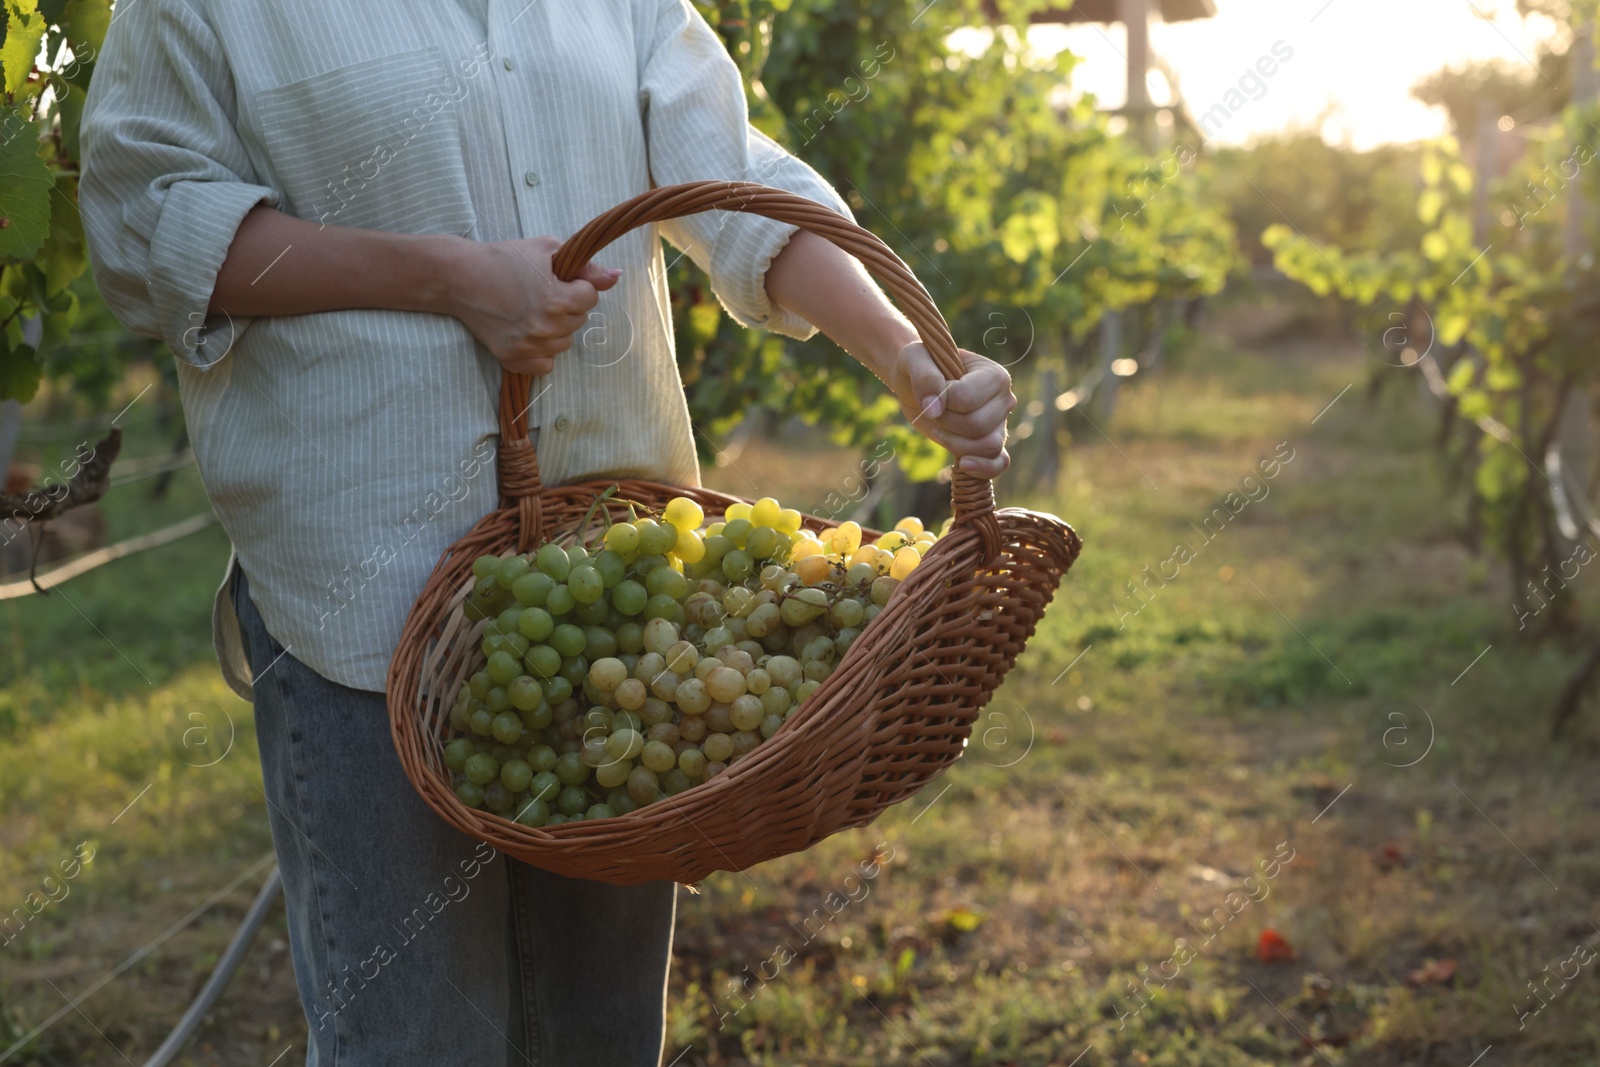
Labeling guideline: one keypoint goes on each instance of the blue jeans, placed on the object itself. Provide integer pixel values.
(415, 944)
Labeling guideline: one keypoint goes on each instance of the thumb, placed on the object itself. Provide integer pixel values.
(926, 381)
(599, 277)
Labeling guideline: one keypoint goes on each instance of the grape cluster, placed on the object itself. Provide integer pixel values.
(628, 669)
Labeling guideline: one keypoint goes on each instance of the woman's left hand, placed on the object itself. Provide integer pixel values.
(966, 416)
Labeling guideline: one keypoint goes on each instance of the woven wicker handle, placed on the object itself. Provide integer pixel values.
(972, 497)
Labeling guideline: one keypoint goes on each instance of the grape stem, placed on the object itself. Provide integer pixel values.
(600, 499)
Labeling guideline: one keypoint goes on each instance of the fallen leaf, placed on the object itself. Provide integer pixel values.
(961, 920)
(1433, 972)
(1273, 947)
(1390, 857)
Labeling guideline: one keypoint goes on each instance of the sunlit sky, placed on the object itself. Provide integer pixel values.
(1353, 62)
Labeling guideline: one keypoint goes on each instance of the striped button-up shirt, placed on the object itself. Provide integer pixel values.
(344, 451)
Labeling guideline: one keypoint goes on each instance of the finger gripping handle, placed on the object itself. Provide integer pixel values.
(972, 498)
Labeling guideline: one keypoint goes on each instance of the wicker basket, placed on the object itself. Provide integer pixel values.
(897, 709)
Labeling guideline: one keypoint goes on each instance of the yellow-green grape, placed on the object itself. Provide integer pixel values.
(658, 756)
(717, 747)
(681, 657)
(746, 712)
(692, 697)
(763, 620)
(847, 612)
(783, 670)
(812, 569)
(656, 538)
(593, 753)
(630, 694)
(860, 574)
(725, 684)
(624, 745)
(690, 548)
(739, 601)
(805, 548)
(611, 775)
(867, 554)
(716, 718)
(622, 538)
(892, 541)
(684, 513)
(692, 762)
(776, 701)
(847, 538)
(737, 531)
(607, 674)
(643, 785)
(766, 512)
(661, 624)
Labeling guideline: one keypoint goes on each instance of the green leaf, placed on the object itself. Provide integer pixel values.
(1429, 204)
(63, 256)
(69, 105)
(24, 30)
(19, 373)
(24, 192)
(84, 23)
(1452, 326)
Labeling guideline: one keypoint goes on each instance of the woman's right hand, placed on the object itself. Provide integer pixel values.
(506, 293)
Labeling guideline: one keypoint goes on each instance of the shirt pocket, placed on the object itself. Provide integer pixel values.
(374, 144)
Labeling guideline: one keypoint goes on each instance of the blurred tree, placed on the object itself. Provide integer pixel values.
(1496, 87)
(1027, 218)
(47, 50)
(1023, 214)
(1505, 331)
(1360, 201)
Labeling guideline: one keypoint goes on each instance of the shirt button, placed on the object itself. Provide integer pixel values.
(506, 62)
(532, 177)
(561, 423)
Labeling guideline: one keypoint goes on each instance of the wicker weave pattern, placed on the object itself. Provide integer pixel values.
(895, 712)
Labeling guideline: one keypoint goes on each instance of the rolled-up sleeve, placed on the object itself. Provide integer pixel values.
(697, 128)
(165, 180)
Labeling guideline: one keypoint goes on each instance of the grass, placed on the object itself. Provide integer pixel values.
(1330, 691)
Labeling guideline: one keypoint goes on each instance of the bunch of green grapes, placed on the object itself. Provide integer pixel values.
(623, 672)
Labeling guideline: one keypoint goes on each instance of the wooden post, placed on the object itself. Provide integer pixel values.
(1585, 82)
(1487, 136)
(1105, 389)
(1045, 431)
(1136, 17)
(10, 427)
